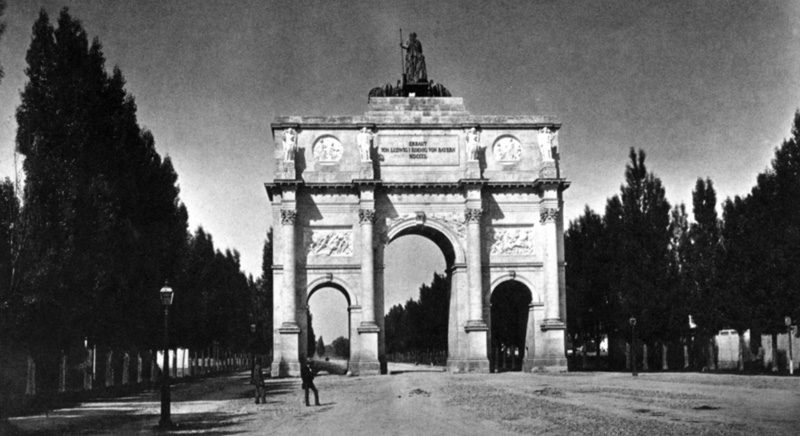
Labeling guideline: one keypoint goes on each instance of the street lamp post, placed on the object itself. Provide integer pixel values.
(166, 300)
(788, 321)
(632, 321)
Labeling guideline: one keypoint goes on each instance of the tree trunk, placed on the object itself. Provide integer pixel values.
(87, 370)
(153, 357)
(628, 356)
(645, 366)
(583, 356)
(597, 341)
(126, 368)
(686, 355)
(664, 354)
(740, 357)
(30, 385)
(62, 373)
(174, 363)
(710, 353)
(109, 368)
(774, 352)
(138, 367)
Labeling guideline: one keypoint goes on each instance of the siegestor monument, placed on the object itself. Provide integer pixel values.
(486, 189)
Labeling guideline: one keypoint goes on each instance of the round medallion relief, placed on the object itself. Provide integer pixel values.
(328, 149)
(507, 149)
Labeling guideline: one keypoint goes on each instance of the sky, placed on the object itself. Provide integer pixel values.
(706, 88)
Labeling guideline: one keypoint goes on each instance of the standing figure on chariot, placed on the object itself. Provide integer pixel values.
(415, 62)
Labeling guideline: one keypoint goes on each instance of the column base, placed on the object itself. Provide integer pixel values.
(289, 328)
(368, 327)
(361, 368)
(287, 352)
(550, 353)
(553, 364)
(476, 325)
(468, 365)
(285, 369)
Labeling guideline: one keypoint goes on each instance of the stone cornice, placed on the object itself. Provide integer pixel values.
(273, 188)
(431, 123)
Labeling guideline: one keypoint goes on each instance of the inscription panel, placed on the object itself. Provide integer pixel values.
(418, 150)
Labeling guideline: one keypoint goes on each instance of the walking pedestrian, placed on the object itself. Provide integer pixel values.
(307, 374)
(257, 380)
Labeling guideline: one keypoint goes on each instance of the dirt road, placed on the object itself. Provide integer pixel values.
(417, 403)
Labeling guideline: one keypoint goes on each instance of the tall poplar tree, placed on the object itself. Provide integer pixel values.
(101, 209)
(702, 266)
(587, 261)
(641, 233)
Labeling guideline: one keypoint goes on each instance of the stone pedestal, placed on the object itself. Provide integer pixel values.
(366, 171)
(286, 170)
(473, 170)
(287, 363)
(549, 355)
(366, 359)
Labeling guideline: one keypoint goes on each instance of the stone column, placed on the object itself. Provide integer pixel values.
(289, 298)
(287, 355)
(552, 313)
(368, 331)
(476, 328)
(366, 217)
(550, 353)
(473, 218)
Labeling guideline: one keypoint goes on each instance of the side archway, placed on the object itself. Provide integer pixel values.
(511, 322)
(328, 316)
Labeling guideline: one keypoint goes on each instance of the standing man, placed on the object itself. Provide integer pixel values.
(257, 380)
(307, 374)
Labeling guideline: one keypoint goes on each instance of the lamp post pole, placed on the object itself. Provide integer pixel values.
(632, 321)
(788, 321)
(166, 301)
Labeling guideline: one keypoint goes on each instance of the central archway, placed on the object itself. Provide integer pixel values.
(447, 240)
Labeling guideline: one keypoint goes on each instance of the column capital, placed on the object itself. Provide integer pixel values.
(366, 216)
(548, 214)
(473, 215)
(288, 217)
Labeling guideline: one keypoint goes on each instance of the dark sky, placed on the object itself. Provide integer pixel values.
(706, 88)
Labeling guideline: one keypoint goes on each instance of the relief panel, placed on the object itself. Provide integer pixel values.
(511, 241)
(328, 243)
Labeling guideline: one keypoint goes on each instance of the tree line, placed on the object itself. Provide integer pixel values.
(645, 259)
(99, 227)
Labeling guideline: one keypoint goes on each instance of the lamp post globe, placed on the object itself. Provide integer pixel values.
(166, 294)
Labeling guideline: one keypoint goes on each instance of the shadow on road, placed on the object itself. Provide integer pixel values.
(61, 423)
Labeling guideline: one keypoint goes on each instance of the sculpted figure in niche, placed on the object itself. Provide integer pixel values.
(548, 144)
(473, 143)
(289, 144)
(415, 62)
(364, 140)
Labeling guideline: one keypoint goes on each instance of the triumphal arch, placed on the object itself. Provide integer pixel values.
(486, 189)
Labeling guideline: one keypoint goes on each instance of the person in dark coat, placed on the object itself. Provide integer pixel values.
(257, 380)
(307, 374)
